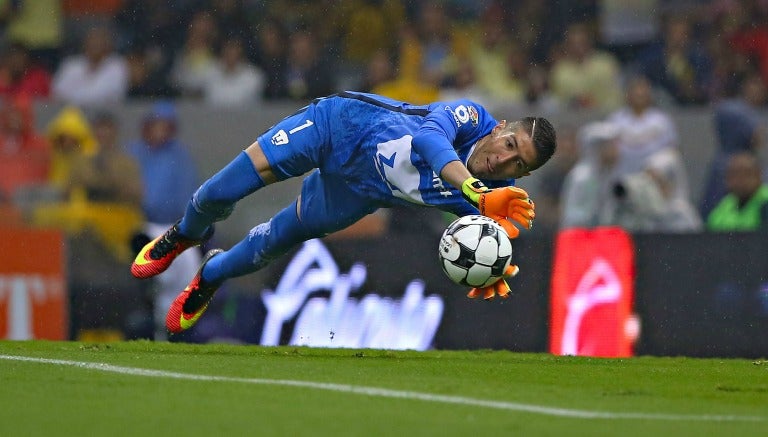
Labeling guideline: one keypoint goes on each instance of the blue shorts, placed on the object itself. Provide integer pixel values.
(328, 205)
(301, 143)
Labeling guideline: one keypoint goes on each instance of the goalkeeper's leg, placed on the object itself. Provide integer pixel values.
(272, 157)
(212, 202)
(215, 199)
(326, 205)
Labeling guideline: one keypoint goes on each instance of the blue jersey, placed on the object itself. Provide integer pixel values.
(388, 151)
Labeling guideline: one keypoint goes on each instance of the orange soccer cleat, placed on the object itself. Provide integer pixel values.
(158, 254)
(191, 303)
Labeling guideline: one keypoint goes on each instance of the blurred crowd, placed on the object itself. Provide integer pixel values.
(630, 63)
(552, 54)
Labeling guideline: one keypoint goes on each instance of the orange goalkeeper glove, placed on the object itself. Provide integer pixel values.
(501, 204)
(499, 287)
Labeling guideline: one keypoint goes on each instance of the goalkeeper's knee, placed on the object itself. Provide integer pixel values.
(212, 202)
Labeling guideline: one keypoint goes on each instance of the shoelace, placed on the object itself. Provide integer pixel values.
(163, 246)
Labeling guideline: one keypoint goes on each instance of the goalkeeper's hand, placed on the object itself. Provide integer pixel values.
(501, 204)
(499, 287)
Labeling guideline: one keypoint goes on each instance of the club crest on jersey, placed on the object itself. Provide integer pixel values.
(473, 116)
(280, 138)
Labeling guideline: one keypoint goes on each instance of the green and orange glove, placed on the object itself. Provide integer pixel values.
(499, 287)
(501, 204)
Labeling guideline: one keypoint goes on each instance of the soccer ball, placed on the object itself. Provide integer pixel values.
(474, 251)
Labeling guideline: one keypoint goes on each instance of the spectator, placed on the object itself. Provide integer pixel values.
(38, 26)
(307, 73)
(463, 85)
(750, 37)
(729, 66)
(111, 182)
(110, 175)
(652, 192)
(157, 29)
(367, 26)
(97, 185)
(72, 140)
(738, 127)
(97, 76)
(270, 56)
(583, 77)
(19, 75)
(233, 82)
(587, 186)
(518, 63)
(490, 52)
(380, 70)
(745, 207)
(678, 65)
(165, 162)
(538, 96)
(656, 199)
(627, 27)
(554, 18)
(169, 176)
(146, 77)
(24, 155)
(645, 129)
(408, 85)
(196, 58)
(434, 42)
(231, 18)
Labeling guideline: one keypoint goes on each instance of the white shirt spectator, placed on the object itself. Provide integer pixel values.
(642, 135)
(96, 76)
(654, 194)
(80, 83)
(233, 82)
(234, 88)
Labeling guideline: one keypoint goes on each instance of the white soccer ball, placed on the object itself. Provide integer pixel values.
(474, 251)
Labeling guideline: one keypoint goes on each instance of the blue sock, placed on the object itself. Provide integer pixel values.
(215, 199)
(264, 243)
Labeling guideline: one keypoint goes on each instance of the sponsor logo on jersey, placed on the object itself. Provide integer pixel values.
(462, 115)
(473, 116)
(280, 138)
(437, 183)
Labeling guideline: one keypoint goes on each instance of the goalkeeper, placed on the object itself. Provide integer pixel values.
(364, 152)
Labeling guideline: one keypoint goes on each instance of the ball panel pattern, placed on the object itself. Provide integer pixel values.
(474, 251)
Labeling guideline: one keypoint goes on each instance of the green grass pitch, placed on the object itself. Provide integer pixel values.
(150, 389)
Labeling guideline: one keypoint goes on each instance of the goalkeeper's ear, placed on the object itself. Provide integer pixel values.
(499, 127)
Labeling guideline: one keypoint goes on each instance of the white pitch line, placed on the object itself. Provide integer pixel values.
(387, 393)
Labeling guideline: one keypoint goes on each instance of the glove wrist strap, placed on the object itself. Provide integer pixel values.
(472, 189)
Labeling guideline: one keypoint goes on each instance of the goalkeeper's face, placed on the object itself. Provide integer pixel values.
(503, 154)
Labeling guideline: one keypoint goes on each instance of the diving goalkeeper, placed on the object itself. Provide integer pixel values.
(365, 152)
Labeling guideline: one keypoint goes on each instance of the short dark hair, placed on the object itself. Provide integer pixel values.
(543, 136)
